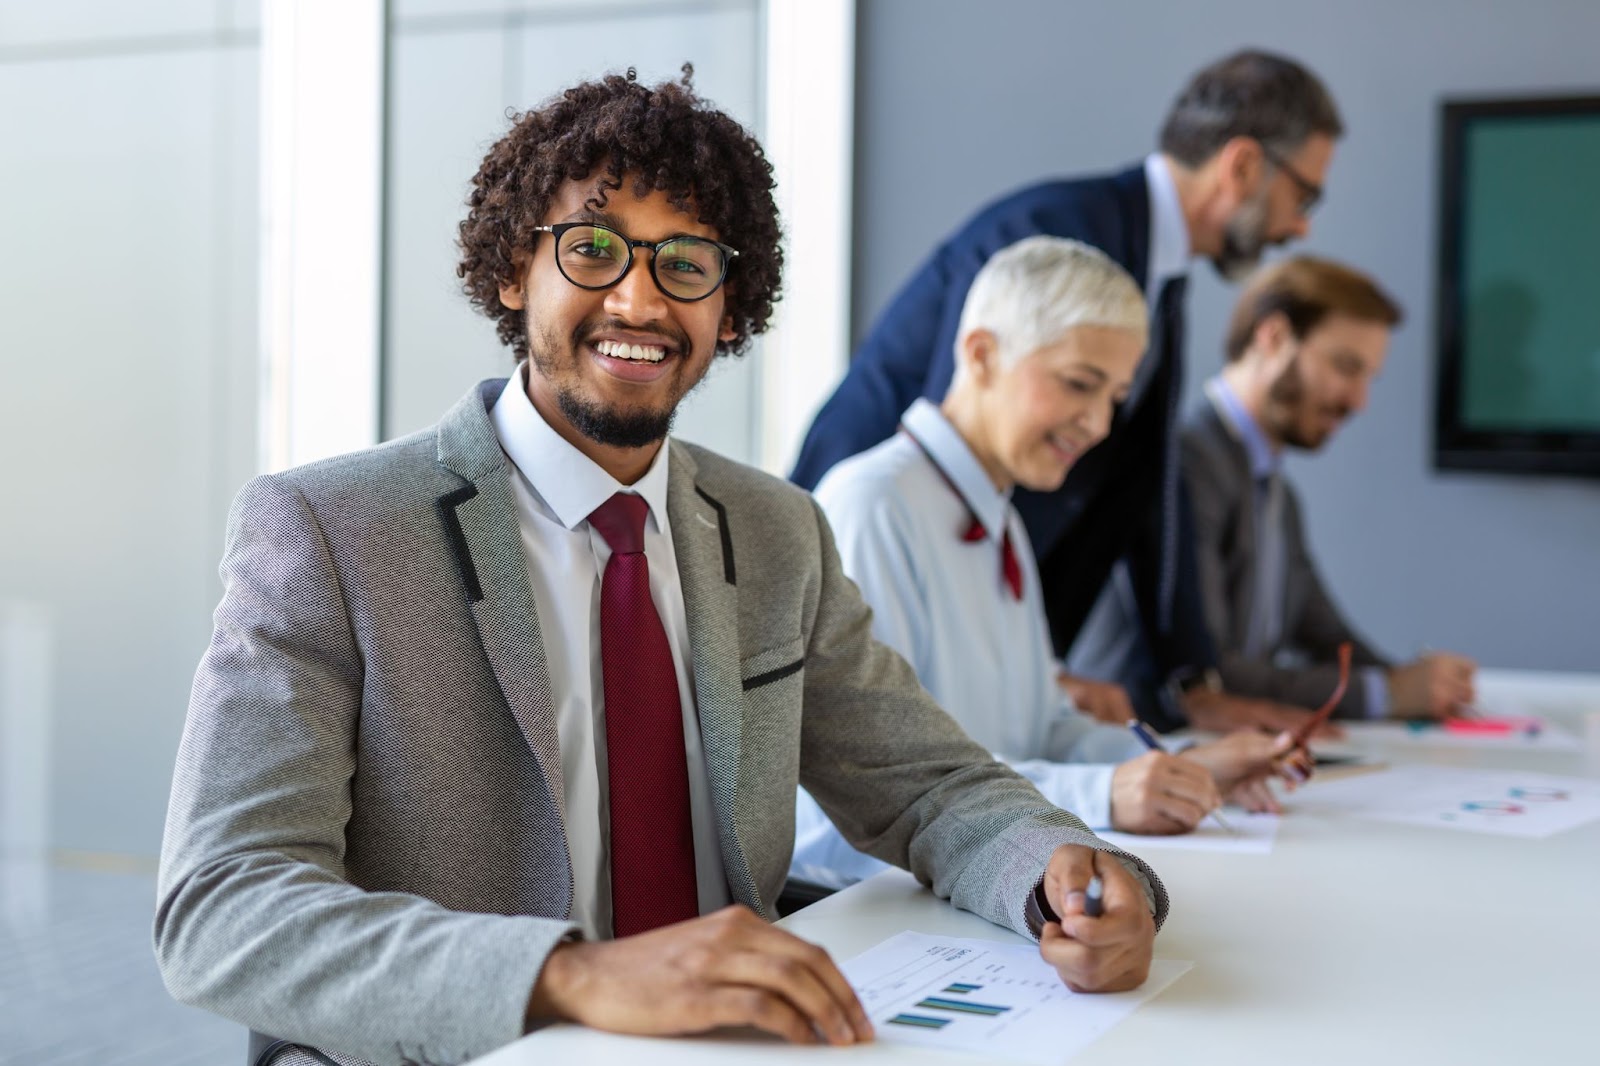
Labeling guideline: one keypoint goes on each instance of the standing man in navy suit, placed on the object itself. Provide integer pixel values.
(1242, 158)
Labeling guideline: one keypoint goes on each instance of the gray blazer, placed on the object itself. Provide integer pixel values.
(1216, 468)
(364, 849)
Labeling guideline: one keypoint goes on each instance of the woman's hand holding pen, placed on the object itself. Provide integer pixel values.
(1161, 793)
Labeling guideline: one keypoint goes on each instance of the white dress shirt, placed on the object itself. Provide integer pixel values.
(1169, 252)
(942, 603)
(556, 488)
(1169, 232)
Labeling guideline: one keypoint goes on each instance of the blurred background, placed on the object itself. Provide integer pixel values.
(226, 245)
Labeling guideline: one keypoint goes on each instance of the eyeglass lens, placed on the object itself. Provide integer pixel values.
(685, 267)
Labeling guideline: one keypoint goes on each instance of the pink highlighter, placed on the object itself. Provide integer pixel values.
(1494, 725)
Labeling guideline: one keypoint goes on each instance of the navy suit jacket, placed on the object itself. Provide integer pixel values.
(1110, 505)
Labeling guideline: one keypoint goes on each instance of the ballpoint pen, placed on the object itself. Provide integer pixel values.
(1094, 898)
(1148, 739)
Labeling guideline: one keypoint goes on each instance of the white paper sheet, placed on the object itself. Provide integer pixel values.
(1549, 738)
(1254, 834)
(999, 1000)
(1504, 802)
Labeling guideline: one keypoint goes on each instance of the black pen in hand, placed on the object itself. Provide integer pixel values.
(1094, 904)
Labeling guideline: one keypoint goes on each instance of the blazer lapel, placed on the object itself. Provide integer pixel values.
(703, 544)
(480, 522)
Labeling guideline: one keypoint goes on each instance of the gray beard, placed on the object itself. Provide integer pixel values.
(1243, 241)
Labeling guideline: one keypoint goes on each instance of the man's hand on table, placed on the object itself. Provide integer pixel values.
(1437, 685)
(1104, 701)
(1110, 953)
(729, 968)
(1221, 712)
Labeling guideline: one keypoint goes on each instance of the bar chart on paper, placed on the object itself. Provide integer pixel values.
(1502, 802)
(1001, 1000)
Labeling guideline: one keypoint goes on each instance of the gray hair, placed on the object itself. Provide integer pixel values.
(1031, 293)
(1249, 94)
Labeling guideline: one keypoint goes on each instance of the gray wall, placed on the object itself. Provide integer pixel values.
(127, 391)
(961, 102)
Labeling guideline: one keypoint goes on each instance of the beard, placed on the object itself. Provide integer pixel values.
(1244, 239)
(609, 426)
(1290, 413)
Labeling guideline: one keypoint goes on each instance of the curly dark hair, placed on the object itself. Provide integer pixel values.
(667, 139)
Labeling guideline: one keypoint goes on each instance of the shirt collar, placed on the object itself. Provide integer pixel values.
(1169, 233)
(949, 451)
(1264, 461)
(569, 483)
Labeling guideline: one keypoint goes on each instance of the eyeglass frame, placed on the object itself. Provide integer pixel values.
(558, 229)
(1310, 192)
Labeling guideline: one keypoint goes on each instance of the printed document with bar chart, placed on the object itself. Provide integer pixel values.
(1000, 1000)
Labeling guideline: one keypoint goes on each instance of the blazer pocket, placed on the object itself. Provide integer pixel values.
(773, 665)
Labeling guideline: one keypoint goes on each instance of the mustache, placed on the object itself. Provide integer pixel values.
(677, 339)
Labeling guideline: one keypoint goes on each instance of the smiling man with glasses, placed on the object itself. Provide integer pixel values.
(502, 722)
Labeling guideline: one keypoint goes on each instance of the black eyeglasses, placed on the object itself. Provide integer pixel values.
(592, 256)
(1310, 191)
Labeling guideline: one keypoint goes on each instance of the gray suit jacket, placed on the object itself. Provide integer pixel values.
(1217, 469)
(365, 850)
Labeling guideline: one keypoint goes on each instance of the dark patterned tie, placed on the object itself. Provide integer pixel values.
(1169, 319)
(652, 834)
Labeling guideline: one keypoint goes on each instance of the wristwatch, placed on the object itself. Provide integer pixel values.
(1187, 679)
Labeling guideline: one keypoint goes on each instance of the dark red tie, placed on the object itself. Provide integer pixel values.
(1010, 572)
(1009, 569)
(652, 835)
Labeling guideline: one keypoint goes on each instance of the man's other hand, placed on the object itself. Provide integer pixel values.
(729, 968)
(1219, 712)
(1437, 685)
(1103, 701)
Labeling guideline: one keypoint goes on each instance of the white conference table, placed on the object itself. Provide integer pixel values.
(1354, 942)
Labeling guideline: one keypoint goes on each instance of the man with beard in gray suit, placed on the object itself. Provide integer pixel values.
(1306, 340)
(501, 722)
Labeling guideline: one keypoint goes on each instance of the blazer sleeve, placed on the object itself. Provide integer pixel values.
(255, 918)
(1321, 627)
(902, 782)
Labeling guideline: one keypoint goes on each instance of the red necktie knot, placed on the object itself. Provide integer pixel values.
(620, 521)
(1010, 569)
